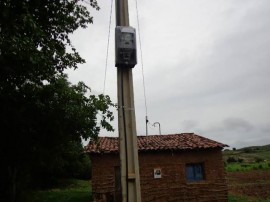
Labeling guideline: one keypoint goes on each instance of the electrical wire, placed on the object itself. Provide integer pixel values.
(144, 91)
(108, 44)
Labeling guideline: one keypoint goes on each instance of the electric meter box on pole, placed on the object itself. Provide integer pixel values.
(125, 47)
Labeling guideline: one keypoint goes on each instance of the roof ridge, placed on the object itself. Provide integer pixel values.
(182, 141)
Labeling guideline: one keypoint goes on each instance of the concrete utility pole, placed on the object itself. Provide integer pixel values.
(130, 177)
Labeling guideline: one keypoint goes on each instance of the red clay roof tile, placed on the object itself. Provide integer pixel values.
(183, 141)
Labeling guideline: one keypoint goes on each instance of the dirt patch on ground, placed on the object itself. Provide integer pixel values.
(255, 184)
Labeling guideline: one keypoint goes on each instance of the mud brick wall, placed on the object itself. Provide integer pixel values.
(103, 184)
(172, 186)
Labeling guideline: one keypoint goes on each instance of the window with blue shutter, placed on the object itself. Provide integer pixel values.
(195, 172)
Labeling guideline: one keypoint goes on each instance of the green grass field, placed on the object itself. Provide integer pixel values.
(75, 191)
(247, 159)
(236, 167)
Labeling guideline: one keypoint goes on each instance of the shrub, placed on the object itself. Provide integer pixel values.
(247, 150)
(240, 160)
(258, 160)
(231, 160)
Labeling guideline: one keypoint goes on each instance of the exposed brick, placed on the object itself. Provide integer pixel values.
(173, 185)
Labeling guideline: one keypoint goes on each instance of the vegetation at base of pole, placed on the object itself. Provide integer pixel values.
(43, 117)
(72, 190)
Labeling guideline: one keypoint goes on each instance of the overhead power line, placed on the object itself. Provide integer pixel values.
(108, 44)
(144, 91)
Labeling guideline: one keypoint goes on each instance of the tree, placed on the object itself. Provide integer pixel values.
(67, 116)
(35, 36)
(43, 117)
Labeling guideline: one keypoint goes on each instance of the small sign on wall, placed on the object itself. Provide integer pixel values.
(157, 173)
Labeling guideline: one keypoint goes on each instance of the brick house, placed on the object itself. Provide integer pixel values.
(179, 167)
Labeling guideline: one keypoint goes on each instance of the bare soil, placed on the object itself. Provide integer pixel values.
(253, 184)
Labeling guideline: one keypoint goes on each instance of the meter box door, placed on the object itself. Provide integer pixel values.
(125, 47)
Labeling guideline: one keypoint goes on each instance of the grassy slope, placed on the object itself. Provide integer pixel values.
(75, 191)
(253, 158)
(249, 155)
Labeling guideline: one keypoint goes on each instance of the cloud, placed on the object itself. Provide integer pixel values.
(206, 66)
(266, 128)
(188, 125)
(238, 132)
(237, 124)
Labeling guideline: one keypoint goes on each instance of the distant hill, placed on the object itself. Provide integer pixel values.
(249, 154)
(256, 148)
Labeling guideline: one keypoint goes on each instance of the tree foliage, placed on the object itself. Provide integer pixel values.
(35, 36)
(43, 117)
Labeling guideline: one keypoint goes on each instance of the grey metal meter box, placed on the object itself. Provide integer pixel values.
(125, 47)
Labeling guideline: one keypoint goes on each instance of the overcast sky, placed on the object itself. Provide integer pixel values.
(206, 67)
